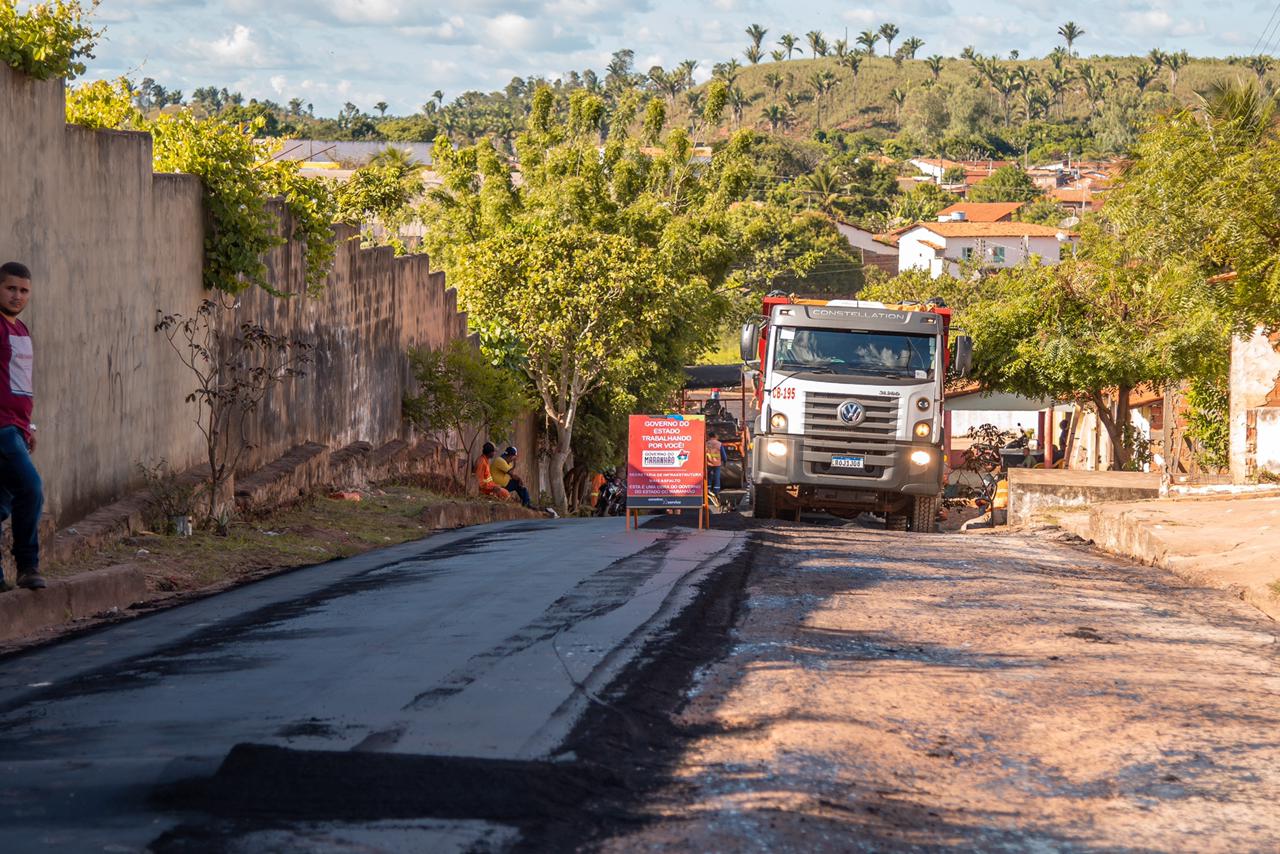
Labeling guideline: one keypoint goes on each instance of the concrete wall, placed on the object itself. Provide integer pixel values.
(1255, 382)
(110, 243)
(1037, 491)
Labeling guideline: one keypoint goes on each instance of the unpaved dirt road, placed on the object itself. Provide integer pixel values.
(892, 691)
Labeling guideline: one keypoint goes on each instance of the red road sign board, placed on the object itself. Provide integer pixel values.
(666, 461)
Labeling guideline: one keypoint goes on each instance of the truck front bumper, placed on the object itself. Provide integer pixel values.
(901, 476)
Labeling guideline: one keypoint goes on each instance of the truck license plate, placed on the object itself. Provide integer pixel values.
(847, 463)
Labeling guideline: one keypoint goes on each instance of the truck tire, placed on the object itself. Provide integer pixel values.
(765, 504)
(924, 513)
(895, 522)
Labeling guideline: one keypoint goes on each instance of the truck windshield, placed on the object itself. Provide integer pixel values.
(845, 351)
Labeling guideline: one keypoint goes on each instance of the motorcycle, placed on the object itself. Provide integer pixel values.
(612, 500)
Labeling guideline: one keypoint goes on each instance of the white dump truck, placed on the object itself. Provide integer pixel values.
(850, 407)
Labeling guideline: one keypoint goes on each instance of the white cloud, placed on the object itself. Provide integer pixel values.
(240, 48)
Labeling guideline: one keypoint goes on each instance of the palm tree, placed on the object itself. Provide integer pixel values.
(817, 43)
(693, 99)
(840, 47)
(1157, 58)
(853, 62)
(439, 97)
(685, 72)
(381, 107)
(726, 71)
(397, 159)
(777, 55)
(934, 64)
(794, 100)
(1005, 83)
(789, 43)
(1037, 103)
(756, 33)
(774, 81)
(822, 82)
(1058, 57)
(825, 189)
(1094, 85)
(968, 53)
(754, 54)
(1259, 65)
(738, 103)
(1057, 80)
(868, 39)
(1027, 79)
(1246, 110)
(777, 116)
(888, 32)
(1070, 33)
(899, 98)
(1142, 76)
(911, 46)
(1175, 62)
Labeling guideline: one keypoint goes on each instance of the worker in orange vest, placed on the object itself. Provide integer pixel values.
(715, 459)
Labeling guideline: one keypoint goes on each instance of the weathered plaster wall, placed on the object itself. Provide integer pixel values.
(109, 243)
(1255, 382)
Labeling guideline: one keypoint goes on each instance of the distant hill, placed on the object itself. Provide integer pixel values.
(865, 103)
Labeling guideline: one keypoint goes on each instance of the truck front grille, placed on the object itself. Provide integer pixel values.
(827, 436)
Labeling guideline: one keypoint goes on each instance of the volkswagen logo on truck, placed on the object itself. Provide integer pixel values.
(851, 412)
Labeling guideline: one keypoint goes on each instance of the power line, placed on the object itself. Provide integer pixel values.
(1263, 34)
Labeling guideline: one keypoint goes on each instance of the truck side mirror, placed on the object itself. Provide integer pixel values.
(964, 355)
(749, 342)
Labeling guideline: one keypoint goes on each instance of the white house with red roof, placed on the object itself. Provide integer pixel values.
(942, 247)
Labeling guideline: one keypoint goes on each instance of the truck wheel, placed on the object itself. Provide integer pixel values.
(895, 522)
(765, 504)
(924, 513)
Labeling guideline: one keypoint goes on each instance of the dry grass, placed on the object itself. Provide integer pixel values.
(318, 530)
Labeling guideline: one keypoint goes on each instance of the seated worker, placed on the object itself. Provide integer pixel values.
(484, 474)
(503, 477)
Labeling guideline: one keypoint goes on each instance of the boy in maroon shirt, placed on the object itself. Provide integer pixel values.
(21, 493)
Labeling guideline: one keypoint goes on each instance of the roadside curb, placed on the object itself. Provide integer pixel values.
(1131, 533)
(25, 612)
(464, 514)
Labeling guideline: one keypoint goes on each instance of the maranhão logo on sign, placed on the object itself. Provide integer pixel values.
(665, 461)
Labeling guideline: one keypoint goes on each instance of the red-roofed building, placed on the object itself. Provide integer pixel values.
(980, 211)
(941, 247)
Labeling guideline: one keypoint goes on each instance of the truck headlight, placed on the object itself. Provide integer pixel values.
(923, 429)
(778, 422)
(776, 449)
(921, 458)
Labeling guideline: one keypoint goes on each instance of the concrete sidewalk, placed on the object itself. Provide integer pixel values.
(1225, 542)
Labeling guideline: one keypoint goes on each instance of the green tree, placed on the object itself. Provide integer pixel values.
(1089, 330)
(922, 203)
(888, 32)
(912, 46)
(817, 43)
(934, 64)
(463, 394)
(597, 266)
(49, 39)
(1070, 33)
(1006, 184)
(868, 39)
(789, 43)
(756, 33)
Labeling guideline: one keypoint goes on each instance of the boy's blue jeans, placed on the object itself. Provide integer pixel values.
(21, 497)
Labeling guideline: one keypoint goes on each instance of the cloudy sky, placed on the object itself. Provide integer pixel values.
(331, 51)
